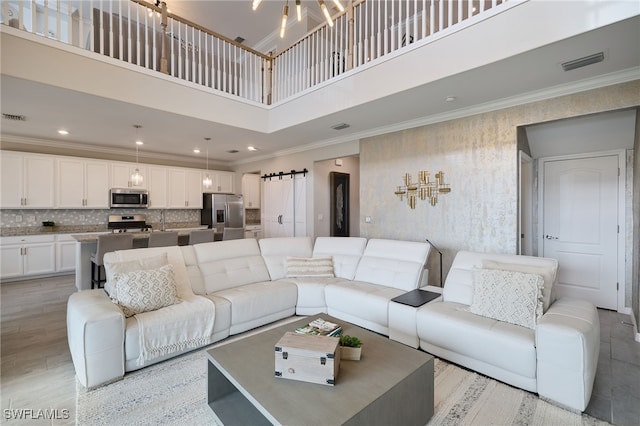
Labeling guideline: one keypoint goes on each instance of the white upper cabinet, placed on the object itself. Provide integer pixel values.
(121, 175)
(82, 183)
(184, 189)
(251, 191)
(27, 180)
(157, 185)
(221, 181)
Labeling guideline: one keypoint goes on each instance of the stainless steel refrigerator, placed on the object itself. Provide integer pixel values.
(225, 214)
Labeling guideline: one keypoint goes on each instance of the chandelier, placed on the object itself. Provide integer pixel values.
(285, 12)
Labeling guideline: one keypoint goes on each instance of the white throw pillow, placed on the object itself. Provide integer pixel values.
(513, 297)
(548, 273)
(113, 268)
(145, 290)
(310, 267)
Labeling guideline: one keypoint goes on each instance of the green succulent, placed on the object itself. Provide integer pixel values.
(350, 341)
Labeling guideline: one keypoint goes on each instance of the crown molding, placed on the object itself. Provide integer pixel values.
(112, 153)
(624, 76)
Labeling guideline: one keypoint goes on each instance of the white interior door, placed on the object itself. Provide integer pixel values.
(278, 206)
(580, 209)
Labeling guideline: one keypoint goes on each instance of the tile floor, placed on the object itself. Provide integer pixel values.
(37, 373)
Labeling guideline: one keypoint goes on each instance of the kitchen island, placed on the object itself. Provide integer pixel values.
(87, 243)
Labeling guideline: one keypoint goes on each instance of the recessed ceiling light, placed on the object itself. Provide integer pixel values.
(63, 132)
(139, 143)
(197, 151)
(252, 148)
(450, 98)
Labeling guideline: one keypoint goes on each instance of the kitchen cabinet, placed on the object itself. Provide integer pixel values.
(157, 187)
(251, 191)
(253, 232)
(82, 183)
(184, 189)
(221, 181)
(121, 175)
(27, 255)
(65, 253)
(27, 180)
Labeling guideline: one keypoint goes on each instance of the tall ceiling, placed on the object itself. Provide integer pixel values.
(530, 72)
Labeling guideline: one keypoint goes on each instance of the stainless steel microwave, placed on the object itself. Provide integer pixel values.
(128, 198)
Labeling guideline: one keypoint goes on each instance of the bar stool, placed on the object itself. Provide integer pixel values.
(201, 236)
(107, 243)
(163, 239)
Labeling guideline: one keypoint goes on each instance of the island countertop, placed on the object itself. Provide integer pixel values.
(92, 237)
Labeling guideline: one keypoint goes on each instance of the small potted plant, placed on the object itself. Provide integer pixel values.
(350, 348)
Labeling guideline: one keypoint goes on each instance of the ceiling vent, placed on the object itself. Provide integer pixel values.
(233, 151)
(340, 126)
(238, 39)
(583, 62)
(14, 117)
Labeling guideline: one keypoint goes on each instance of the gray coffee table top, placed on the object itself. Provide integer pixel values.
(249, 365)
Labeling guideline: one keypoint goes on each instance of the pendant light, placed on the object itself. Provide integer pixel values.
(207, 182)
(285, 15)
(136, 178)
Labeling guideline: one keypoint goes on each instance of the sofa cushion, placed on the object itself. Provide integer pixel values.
(391, 263)
(275, 251)
(346, 253)
(253, 305)
(145, 290)
(514, 297)
(310, 267)
(229, 264)
(452, 327)
(361, 303)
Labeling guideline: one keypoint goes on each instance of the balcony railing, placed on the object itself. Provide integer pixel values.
(142, 34)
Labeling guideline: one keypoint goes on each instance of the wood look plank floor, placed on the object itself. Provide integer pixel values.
(36, 371)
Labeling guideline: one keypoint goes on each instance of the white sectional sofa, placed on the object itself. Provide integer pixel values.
(232, 286)
(229, 287)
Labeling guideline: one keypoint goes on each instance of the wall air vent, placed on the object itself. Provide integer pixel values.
(583, 62)
(14, 117)
(340, 126)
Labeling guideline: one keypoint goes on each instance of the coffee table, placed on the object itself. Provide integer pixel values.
(391, 384)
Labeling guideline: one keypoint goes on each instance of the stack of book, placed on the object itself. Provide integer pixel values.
(320, 327)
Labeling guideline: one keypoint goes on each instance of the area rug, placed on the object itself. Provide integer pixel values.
(174, 392)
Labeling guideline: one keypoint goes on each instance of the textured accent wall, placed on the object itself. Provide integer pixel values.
(478, 155)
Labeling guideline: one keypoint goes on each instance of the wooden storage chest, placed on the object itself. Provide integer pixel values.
(308, 358)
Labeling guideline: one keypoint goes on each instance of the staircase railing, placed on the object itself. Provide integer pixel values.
(146, 35)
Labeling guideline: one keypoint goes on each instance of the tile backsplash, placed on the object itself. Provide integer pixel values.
(84, 219)
(252, 216)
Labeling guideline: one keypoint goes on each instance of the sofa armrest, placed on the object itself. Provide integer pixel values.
(95, 331)
(568, 346)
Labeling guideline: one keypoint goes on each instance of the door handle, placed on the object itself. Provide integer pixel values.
(550, 237)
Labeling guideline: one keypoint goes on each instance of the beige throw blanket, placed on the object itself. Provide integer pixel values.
(186, 325)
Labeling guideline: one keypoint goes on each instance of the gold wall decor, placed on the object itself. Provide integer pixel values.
(424, 188)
